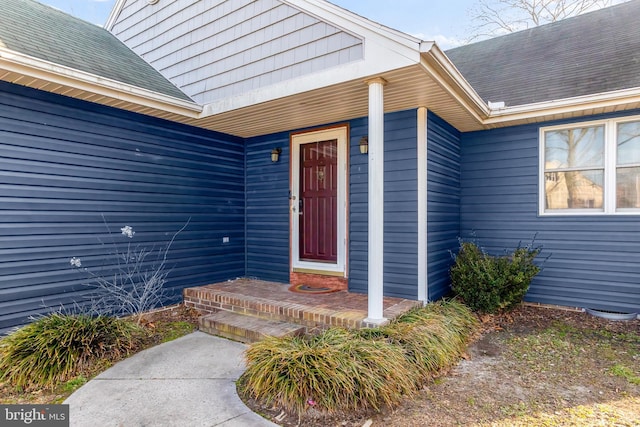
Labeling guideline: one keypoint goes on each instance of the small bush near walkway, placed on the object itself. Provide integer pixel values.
(341, 370)
(55, 348)
(490, 284)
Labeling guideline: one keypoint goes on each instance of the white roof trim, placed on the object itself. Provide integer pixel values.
(55, 73)
(563, 106)
(346, 20)
(442, 70)
(115, 12)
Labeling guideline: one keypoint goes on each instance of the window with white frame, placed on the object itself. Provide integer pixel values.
(591, 167)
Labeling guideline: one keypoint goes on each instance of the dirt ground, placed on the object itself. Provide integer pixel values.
(533, 366)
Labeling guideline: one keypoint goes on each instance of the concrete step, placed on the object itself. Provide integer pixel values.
(245, 328)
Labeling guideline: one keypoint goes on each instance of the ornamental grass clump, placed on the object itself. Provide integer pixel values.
(490, 284)
(335, 371)
(57, 347)
(342, 370)
(434, 337)
(454, 314)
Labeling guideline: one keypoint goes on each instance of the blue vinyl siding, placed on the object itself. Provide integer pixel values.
(401, 206)
(358, 212)
(64, 163)
(267, 207)
(593, 261)
(443, 202)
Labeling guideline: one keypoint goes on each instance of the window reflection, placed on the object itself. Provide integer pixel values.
(628, 188)
(584, 166)
(575, 148)
(628, 143)
(574, 190)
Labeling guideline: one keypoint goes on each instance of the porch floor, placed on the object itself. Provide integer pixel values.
(271, 300)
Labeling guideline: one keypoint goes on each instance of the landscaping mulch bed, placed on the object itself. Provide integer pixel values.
(532, 366)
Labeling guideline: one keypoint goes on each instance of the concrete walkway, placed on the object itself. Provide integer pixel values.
(186, 382)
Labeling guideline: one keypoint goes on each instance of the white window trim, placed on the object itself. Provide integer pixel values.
(339, 133)
(609, 187)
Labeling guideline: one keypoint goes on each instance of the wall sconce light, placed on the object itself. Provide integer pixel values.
(364, 145)
(275, 154)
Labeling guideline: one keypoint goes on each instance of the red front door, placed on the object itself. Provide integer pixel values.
(318, 198)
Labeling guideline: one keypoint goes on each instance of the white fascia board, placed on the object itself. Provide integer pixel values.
(352, 22)
(563, 106)
(55, 73)
(441, 69)
(115, 12)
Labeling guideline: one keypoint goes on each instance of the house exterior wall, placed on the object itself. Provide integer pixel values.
(401, 207)
(64, 163)
(268, 207)
(214, 50)
(591, 261)
(443, 202)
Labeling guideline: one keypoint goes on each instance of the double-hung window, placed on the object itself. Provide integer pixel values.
(591, 168)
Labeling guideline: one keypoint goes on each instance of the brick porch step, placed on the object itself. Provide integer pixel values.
(248, 310)
(245, 328)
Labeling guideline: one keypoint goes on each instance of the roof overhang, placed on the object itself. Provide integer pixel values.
(431, 81)
(40, 74)
(619, 100)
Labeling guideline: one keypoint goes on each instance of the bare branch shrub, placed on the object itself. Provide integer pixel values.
(134, 283)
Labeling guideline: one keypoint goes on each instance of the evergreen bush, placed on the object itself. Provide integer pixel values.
(490, 284)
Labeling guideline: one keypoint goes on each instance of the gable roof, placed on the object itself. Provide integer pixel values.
(42, 32)
(593, 53)
(267, 66)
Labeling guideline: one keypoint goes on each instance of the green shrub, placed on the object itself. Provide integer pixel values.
(340, 370)
(55, 348)
(492, 283)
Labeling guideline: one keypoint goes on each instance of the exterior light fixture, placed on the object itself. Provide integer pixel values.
(364, 145)
(275, 154)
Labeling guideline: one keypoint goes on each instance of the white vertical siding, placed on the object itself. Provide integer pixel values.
(216, 49)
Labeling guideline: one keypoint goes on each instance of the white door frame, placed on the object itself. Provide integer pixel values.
(341, 135)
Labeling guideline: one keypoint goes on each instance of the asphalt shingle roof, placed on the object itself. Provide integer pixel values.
(34, 29)
(587, 54)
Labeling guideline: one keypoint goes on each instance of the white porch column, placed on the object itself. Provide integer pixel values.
(423, 281)
(376, 200)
